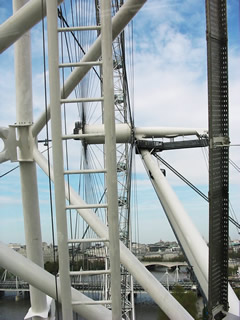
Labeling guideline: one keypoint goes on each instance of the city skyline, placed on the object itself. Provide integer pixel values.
(170, 82)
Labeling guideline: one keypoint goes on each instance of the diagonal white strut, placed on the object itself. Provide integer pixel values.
(22, 21)
(151, 285)
(44, 281)
(195, 248)
(119, 22)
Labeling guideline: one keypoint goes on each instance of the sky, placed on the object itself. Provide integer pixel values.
(170, 89)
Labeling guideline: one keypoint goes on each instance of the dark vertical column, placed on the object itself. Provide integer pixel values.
(217, 56)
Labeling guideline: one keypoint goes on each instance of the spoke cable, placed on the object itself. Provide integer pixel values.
(233, 220)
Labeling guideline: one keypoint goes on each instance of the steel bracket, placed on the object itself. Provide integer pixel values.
(216, 142)
(18, 144)
(9, 152)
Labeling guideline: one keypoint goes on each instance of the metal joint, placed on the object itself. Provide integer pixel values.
(9, 152)
(216, 142)
(17, 148)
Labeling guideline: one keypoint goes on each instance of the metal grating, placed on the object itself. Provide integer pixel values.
(217, 52)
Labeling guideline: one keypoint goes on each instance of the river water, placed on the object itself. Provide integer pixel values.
(145, 308)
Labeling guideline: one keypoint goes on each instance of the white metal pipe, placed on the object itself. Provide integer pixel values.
(119, 21)
(57, 151)
(191, 240)
(124, 132)
(40, 278)
(154, 288)
(168, 132)
(110, 157)
(193, 244)
(22, 21)
(28, 175)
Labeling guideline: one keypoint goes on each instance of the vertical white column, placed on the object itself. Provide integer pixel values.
(110, 151)
(28, 176)
(57, 149)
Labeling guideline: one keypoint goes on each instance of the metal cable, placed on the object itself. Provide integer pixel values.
(181, 177)
(234, 221)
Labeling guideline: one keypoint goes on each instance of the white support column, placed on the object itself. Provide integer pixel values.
(191, 240)
(57, 149)
(23, 77)
(110, 157)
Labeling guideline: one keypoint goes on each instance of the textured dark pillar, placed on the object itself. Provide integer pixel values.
(217, 56)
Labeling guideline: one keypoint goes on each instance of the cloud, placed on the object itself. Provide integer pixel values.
(8, 199)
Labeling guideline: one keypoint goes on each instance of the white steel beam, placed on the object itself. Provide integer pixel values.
(44, 281)
(124, 132)
(57, 151)
(28, 175)
(110, 157)
(119, 21)
(193, 244)
(21, 22)
(154, 288)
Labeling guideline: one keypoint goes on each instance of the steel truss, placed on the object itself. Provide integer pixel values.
(25, 151)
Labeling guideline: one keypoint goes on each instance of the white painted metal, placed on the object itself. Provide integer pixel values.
(87, 171)
(80, 64)
(9, 151)
(123, 132)
(57, 150)
(119, 21)
(39, 278)
(89, 272)
(87, 206)
(193, 244)
(110, 157)
(94, 302)
(22, 21)
(80, 28)
(81, 136)
(81, 100)
(28, 176)
(88, 240)
(158, 293)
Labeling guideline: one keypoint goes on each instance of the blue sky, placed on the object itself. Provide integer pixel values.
(170, 89)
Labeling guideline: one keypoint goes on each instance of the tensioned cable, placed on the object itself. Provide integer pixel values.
(48, 157)
(235, 166)
(75, 38)
(181, 176)
(66, 143)
(194, 187)
(6, 173)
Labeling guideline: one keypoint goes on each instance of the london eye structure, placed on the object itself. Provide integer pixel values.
(90, 138)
